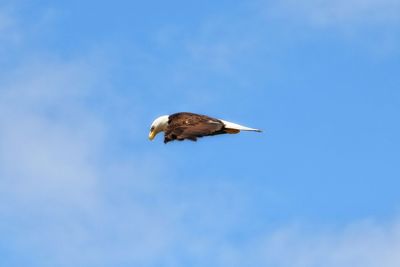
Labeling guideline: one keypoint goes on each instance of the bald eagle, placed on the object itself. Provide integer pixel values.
(185, 125)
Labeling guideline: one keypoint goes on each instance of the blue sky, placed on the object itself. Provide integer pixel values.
(81, 185)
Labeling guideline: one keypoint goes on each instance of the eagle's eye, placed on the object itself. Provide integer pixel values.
(152, 129)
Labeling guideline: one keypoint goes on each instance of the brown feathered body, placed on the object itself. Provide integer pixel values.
(190, 126)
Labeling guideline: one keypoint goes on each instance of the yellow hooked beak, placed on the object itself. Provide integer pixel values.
(152, 134)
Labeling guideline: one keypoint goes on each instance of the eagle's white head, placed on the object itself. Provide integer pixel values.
(158, 125)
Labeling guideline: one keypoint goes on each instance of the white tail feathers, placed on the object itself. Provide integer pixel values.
(231, 125)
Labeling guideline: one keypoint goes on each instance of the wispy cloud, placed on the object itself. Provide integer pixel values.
(54, 185)
(340, 13)
(372, 24)
(357, 244)
(363, 243)
(46, 133)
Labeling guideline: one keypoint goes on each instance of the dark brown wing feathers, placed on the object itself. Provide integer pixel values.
(185, 125)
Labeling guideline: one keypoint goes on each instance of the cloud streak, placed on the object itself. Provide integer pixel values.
(363, 243)
(340, 13)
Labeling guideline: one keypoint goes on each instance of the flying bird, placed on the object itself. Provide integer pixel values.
(185, 125)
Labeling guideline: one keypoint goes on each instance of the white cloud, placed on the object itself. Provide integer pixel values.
(372, 25)
(47, 133)
(339, 13)
(360, 244)
(357, 244)
(56, 172)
